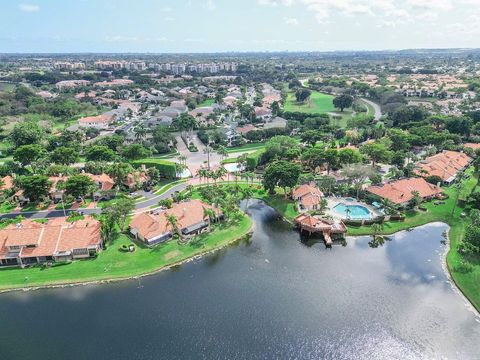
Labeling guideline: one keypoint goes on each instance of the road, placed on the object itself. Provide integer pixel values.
(376, 107)
(145, 204)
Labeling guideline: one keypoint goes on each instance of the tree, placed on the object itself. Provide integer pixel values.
(120, 210)
(79, 186)
(27, 154)
(357, 174)
(471, 241)
(64, 155)
(185, 123)
(162, 139)
(377, 152)
(281, 173)
(173, 221)
(416, 200)
(343, 101)
(34, 187)
(26, 133)
(140, 132)
(119, 172)
(135, 152)
(107, 227)
(99, 153)
(302, 95)
(222, 151)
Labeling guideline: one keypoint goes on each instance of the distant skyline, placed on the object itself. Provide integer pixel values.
(166, 26)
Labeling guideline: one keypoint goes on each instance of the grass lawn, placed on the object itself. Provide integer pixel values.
(116, 264)
(318, 103)
(344, 117)
(6, 207)
(467, 279)
(246, 147)
(7, 87)
(206, 102)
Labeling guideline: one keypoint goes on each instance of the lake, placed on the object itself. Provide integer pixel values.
(272, 297)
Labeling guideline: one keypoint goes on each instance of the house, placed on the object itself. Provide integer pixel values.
(154, 227)
(69, 84)
(30, 242)
(400, 192)
(56, 191)
(445, 165)
(6, 183)
(99, 122)
(245, 129)
(308, 197)
(136, 180)
(473, 146)
(314, 224)
(105, 186)
(262, 113)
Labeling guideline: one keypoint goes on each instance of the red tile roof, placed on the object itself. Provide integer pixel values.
(188, 213)
(444, 165)
(400, 191)
(57, 235)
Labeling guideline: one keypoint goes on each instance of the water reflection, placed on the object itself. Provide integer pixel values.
(270, 296)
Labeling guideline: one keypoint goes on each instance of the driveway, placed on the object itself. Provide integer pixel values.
(376, 107)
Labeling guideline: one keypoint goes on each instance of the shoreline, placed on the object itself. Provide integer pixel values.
(197, 256)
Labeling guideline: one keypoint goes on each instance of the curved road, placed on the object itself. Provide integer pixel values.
(376, 107)
(146, 204)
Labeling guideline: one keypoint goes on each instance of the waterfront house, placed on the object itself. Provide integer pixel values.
(30, 242)
(400, 192)
(191, 219)
(445, 165)
(307, 196)
(314, 224)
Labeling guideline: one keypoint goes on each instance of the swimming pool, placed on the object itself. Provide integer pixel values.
(355, 212)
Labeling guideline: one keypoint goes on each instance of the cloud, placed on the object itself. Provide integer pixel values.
(210, 5)
(29, 8)
(291, 21)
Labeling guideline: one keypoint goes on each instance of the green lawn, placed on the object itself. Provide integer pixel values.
(246, 147)
(116, 264)
(318, 103)
(206, 102)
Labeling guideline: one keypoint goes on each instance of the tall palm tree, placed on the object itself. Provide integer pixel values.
(222, 151)
(209, 214)
(173, 221)
(140, 132)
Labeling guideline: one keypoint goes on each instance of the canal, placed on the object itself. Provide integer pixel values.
(272, 297)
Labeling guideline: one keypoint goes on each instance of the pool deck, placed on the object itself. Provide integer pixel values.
(334, 201)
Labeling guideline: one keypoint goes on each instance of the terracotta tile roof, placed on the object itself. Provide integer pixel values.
(305, 189)
(473, 146)
(106, 182)
(445, 165)
(400, 191)
(316, 223)
(245, 129)
(137, 177)
(102, 119)
(188, 213)
(49, 238)
(7, 183)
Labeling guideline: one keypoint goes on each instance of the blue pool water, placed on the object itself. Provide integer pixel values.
(357, 212)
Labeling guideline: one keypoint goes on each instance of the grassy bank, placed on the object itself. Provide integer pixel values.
(318, 103)
(114, 264)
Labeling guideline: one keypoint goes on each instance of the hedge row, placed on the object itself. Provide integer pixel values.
(167, 169)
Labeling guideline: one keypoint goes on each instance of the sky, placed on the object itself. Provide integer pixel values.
(166, 26)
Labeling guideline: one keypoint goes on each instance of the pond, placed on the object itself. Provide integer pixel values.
(273, 296)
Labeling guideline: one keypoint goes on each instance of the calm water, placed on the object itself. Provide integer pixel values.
(272, 298)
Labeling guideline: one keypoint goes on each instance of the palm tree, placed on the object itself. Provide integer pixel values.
(247, 193)
(377, 228)
(221, 172)
(140, 132)
(222, 151)
(460, 178)
(209, 214)
(173, 221)
(207, 151)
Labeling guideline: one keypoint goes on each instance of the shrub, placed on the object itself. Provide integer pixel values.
(166, 168)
